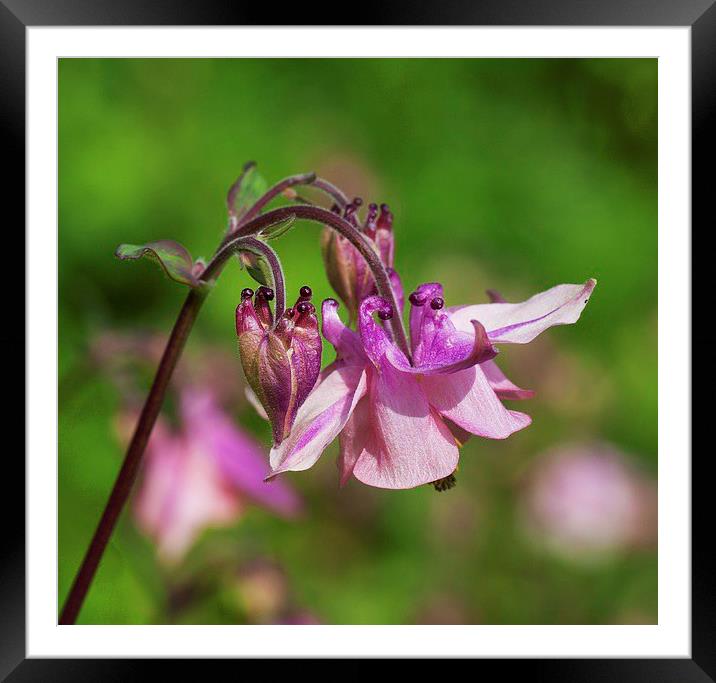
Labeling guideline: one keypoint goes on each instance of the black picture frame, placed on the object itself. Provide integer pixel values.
(16, 15)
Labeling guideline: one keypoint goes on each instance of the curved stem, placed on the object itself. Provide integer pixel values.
(130, 466)
(342, 227)
(275, 191)
(258, 247)
(331, 190)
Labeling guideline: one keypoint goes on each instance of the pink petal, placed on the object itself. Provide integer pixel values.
(353, 439)
(408, 445)
(467, 399)
(521, 323)
(320, 419)
(346, 342)
(375, 339)
(501, 385)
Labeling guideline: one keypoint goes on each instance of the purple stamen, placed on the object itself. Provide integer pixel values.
(305, 292)
(386, 314)
(437, 303)
(247, 293)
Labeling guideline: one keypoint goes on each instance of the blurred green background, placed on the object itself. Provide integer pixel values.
(510, 174)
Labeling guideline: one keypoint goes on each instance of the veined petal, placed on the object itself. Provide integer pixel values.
(409, 444)
(320, 419)
(346, 342)
(374, 338)
(420, 306)
(501, 385)
(467, 399)
(521, 323)
(353, 439)
(450, 352)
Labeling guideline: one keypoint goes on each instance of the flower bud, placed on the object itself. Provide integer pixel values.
(346, 269)
(281, 359)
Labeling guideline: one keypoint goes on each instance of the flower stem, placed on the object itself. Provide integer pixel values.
(130, 466)
(279, 285)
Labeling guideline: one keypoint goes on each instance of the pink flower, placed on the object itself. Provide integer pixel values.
(398, 422)
(201, 476)
(585, 501)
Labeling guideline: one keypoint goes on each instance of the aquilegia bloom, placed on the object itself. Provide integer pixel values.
(203, 475)
(281, 359)
(400, 423)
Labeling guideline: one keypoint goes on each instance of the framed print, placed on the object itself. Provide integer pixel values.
(358, 341)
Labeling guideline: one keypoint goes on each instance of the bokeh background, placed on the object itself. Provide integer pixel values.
(507, 174)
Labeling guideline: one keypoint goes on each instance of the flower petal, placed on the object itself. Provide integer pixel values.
(374, 338)
(346, 342)
(320, 419)
(467, 399)
(521, 323)
(501, 385)
(353, 439)
(409, 444)
(418, 309)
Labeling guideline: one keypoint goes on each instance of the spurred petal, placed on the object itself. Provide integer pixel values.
(467, 399)
(521, 323)
(320, 419)
(420, 306)
(409, 444)
(501, 385)
(347, 343)
(438, 348)
(375, 339)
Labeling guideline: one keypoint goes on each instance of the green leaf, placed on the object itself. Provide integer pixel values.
(246, 192)
(173, 257)
(257, 267)
(274, 231)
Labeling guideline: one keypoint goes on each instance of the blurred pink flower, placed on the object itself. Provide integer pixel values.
(204, 474)
(587, 500)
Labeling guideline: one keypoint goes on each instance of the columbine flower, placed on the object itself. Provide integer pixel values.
(346, 269)
(398, 422)
(281, 359)
(587, 501)
(203, 475)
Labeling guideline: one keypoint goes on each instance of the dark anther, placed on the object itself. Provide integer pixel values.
(417, 299)
(446, 483)
(289, 312)
(437, 303)
(303, 306)
(386, 314)
(247, 293)
(331, 301)
(265, 293)
(305, 292)
(357, 201)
